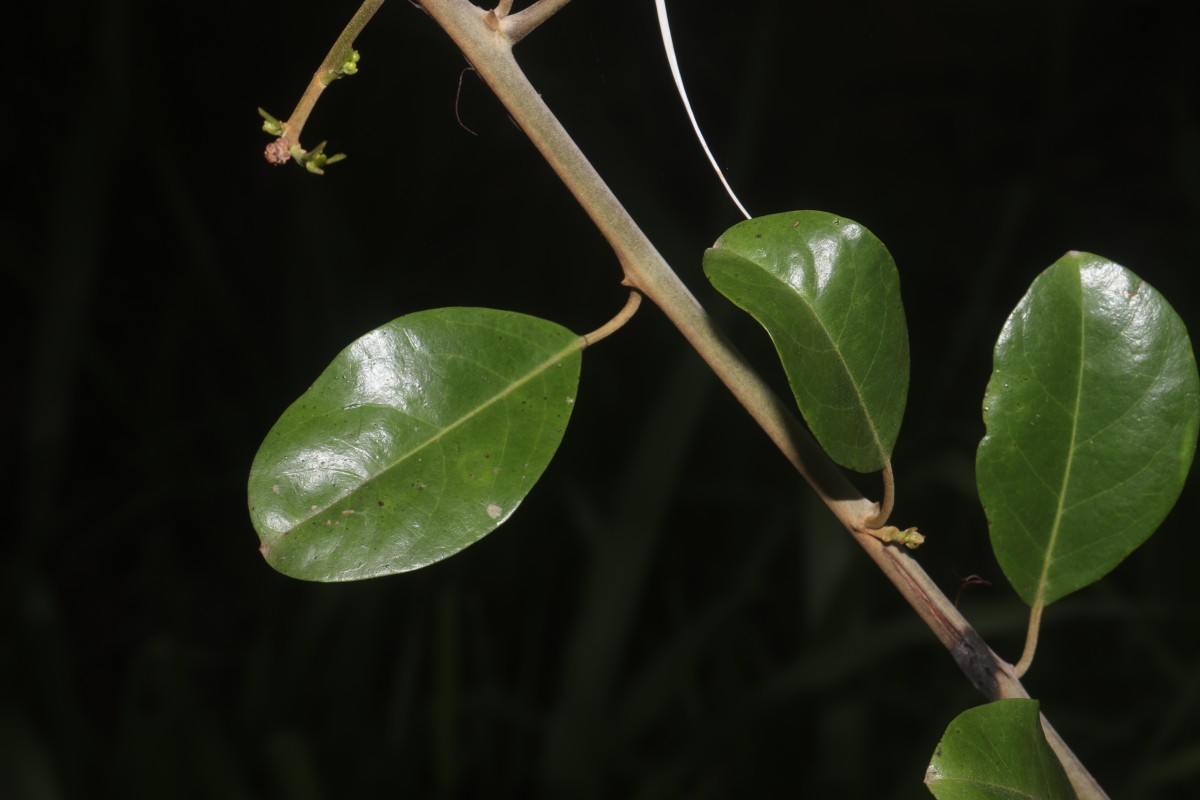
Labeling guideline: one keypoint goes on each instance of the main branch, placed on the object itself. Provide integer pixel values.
(489, 49)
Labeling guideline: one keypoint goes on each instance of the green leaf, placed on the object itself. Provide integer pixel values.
(997, 752)
(1091, 414)
(828, 293)
(419, 439)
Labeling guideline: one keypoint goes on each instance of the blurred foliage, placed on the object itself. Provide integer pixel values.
(670, 615)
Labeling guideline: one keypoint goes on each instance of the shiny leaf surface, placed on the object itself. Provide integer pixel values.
(997, 752)
(1091, 416)
(828, 293)
(419, 439)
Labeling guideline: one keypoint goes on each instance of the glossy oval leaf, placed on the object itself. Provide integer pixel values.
(1091, 415)
(997, 752)
(828, 293)
(418, 440)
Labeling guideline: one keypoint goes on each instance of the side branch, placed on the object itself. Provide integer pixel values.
(340, 60)
(521, 24)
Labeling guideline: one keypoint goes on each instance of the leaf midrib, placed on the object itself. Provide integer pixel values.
(1060, 511)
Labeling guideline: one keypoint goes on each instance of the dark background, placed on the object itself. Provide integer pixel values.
(671, 614)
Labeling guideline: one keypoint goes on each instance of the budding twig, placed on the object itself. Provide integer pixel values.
(341, 60)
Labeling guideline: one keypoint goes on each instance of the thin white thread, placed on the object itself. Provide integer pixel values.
(665, 27)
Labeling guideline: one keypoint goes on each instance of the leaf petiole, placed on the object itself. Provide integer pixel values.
(889, 498)
(1031, 639)
(616, 323)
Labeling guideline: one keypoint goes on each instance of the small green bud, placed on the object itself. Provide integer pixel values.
(909, 537)
(270, 124)
(315, 160)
